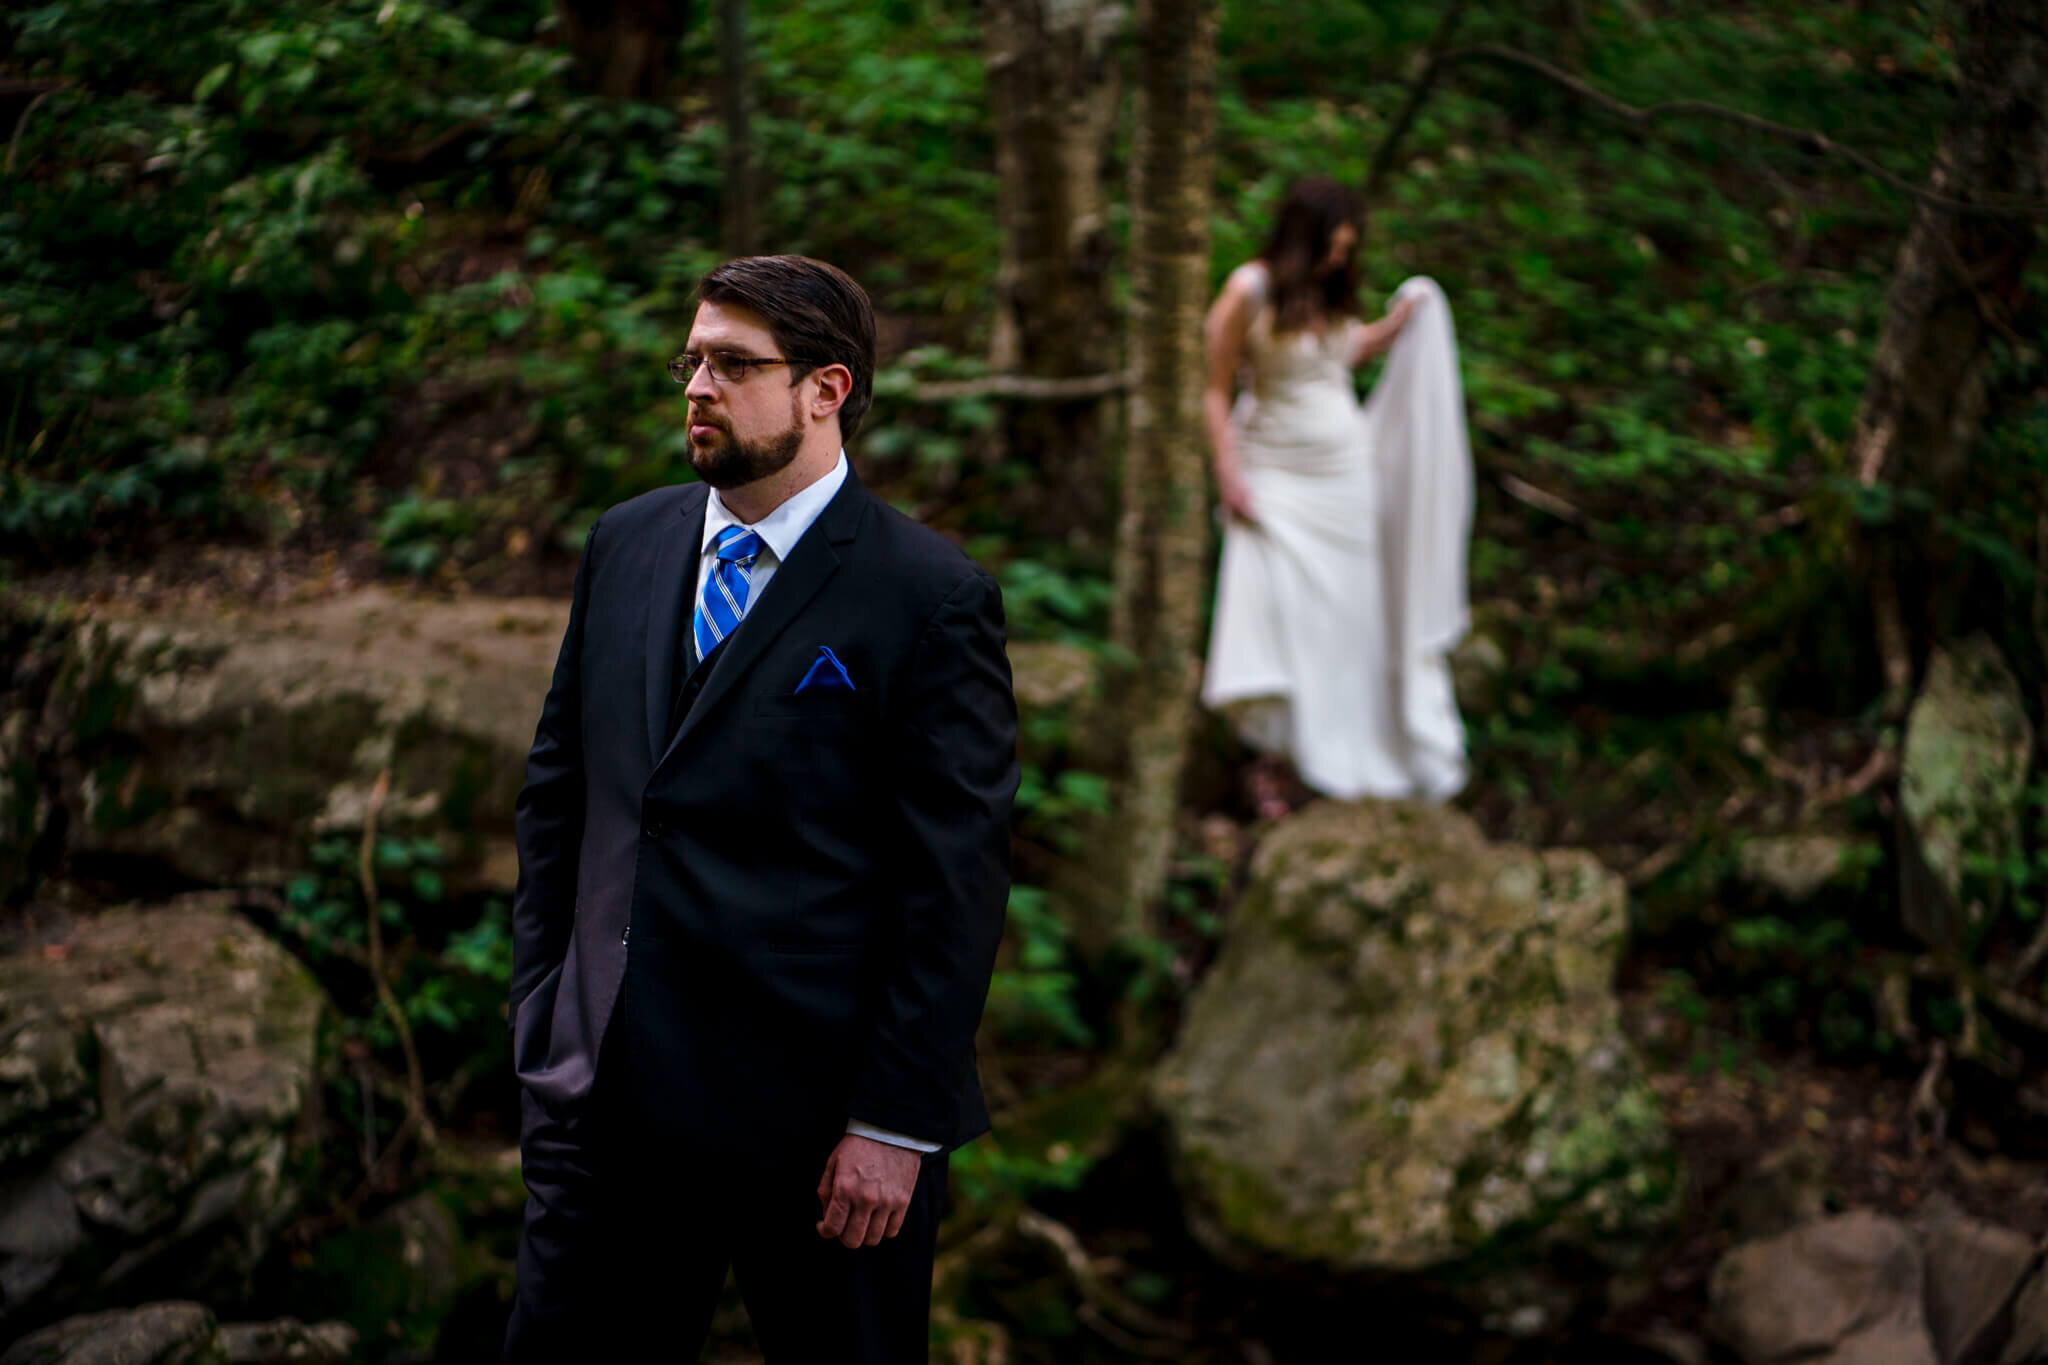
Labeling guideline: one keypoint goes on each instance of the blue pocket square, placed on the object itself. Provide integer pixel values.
(826, 673)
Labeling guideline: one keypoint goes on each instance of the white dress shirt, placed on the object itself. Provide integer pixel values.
(780, 530)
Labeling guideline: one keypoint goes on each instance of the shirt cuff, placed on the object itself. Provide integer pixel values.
(868, 1130)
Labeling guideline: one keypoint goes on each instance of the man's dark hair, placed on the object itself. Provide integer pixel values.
(816, 313)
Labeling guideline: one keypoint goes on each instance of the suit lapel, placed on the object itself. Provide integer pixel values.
(811, 563)
(675, 564)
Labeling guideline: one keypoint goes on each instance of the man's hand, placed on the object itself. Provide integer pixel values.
(865, 1190)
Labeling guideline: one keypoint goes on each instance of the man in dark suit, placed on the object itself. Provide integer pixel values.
(763, 862)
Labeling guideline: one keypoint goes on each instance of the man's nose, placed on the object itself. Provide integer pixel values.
(701, 386)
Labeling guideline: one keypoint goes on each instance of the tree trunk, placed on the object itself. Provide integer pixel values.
(1054, 91)
(1956, 281)
(735, 105)
(1163, 524)
(623, 47)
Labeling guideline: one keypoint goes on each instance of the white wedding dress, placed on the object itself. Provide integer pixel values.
(1335, 611)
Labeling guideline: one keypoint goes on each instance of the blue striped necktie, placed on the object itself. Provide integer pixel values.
(724, 599)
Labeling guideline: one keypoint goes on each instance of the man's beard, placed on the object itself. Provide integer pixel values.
(732, 463)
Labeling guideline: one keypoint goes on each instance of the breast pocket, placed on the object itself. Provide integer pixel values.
(821, 745)
(826, 705)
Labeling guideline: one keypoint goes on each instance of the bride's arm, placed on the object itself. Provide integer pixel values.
(1223, 334)
(1375, 337)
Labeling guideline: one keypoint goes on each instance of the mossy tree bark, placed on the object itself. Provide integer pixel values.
(1163, 525)
(1054, 83)
(1957, 280)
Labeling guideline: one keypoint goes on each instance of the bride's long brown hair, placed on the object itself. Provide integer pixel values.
(1310, 215)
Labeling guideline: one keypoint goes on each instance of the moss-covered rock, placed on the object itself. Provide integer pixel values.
(1801, 866)
(222, 745)
(180, 1333)
(155, 1067)
(1961, 780)
(154, 1334)
(1408, 1059)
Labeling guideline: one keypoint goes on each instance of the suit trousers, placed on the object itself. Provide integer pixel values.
(628, 1238)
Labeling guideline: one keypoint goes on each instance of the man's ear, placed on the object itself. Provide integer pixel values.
(834, 383)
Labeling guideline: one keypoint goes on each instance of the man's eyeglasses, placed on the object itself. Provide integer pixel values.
(726, 369)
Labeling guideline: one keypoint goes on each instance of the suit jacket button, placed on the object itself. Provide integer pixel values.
(655, 829)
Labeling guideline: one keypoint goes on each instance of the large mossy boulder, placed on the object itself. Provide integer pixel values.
(1408, 1060)
(154, 1334)
(1962, 779)
(156, 1066)
(221, 744)
(181, 1333)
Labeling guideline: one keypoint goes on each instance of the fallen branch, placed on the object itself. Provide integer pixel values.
(1929, 1117)
(2030, 958)
(1167, 1338)
(1020, 386)
(1530, 495)
(1654, 866)
(1125, 1341)
(2016, 1007)
(1882, 763)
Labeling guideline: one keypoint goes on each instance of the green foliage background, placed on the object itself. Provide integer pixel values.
(328, 273)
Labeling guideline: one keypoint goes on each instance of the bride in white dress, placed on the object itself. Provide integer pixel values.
(1342, 586)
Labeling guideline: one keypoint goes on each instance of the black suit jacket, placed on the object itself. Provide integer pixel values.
(801, 894)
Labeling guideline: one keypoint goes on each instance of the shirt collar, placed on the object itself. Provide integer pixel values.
(785, 526)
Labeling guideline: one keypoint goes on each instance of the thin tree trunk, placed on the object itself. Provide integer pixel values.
(1957, 278)
(1054, 90)
(623, 47)
(735, 102)
(1163, 525)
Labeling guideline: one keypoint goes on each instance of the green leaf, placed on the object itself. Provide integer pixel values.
(211, 82)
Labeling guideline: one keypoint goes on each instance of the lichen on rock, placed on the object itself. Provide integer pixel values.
(156, 1067)
(1408, 1059)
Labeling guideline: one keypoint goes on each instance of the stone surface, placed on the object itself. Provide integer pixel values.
(1408, 1058)
(2028, 1343)
(1786, 1187)
(1961, 781)
(155, 1065)
(221, 746)
(1794, 868)
(288, 1342)
(1836, 1291)
(181, 1334)
(1974, 1269)
(154, 1334)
